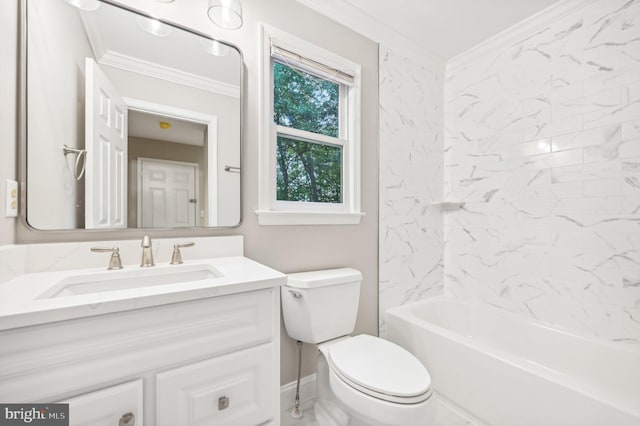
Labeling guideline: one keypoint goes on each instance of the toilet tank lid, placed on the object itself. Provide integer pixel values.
(327, 277)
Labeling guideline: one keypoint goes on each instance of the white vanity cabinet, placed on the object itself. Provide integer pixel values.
(120, 405)
(229, 390)
(200, 362)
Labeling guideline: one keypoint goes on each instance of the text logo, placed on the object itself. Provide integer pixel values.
(34, 414)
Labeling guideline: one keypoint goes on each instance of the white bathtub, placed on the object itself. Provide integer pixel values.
(508, 371)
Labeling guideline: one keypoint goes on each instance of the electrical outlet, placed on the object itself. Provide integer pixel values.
(11, 209)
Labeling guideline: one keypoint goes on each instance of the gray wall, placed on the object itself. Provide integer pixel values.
(8, 51)
(288, 249)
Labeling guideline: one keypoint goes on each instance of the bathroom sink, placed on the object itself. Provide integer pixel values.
(106, 281)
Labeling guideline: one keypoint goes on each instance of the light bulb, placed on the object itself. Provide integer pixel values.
(153, 26)
(226, 14)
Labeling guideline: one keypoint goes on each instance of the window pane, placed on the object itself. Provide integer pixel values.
(308, 171)
(305, 102)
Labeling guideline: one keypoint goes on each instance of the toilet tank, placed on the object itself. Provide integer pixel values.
(321, 305)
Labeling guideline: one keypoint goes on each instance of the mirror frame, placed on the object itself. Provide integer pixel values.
(22, 131)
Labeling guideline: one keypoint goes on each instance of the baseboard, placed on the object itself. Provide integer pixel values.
(307, 393)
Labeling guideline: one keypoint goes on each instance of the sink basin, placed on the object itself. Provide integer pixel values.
(105, 281)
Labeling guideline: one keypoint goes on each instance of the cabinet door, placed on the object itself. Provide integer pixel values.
(112, 406)
(233, 389)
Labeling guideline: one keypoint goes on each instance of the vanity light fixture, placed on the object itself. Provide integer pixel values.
(88, 5)
(214, 47)
(153, 26)
(226, 14)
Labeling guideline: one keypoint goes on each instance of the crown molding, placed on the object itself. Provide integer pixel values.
(151, 69)
(517, 32)
(359, 21)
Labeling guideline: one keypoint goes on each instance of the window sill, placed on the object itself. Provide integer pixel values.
(271, 217)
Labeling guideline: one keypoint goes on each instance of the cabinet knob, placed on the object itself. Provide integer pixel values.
(223, 403)
(128, 419)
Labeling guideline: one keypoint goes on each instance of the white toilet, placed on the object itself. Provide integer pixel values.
(361, 380)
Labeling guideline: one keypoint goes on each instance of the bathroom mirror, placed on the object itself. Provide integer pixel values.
(130, 122)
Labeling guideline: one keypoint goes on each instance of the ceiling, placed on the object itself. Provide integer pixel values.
(146, 125)
(449, 27)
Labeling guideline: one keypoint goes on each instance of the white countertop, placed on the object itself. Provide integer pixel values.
(21, 303)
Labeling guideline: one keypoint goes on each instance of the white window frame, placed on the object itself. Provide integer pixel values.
(277, 212)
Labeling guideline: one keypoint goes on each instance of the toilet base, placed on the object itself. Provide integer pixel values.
(331, 409)
(328, 411)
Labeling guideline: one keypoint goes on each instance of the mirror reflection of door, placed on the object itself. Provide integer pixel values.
(106, 144)
(167, 193)
(171, 137)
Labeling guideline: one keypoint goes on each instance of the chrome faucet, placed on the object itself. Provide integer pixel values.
(114, 261)
(176, 257)
(147, 253)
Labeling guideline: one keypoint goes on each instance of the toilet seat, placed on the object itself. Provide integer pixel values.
(380, 369)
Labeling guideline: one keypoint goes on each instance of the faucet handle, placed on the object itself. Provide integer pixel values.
(114, 262)
(176, 257)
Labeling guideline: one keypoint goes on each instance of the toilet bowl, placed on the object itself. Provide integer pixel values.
(360, 380)
(377, 382)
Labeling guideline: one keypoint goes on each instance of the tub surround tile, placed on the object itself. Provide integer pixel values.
(411, 178)
(542, 142)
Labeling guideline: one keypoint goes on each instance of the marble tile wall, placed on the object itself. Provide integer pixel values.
(411, 176)
(542, 141)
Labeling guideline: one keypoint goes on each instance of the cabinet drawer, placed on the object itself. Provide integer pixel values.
(107, 407)
(106, 348)
(234, 389)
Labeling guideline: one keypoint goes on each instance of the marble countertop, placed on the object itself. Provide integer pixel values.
(22, 302)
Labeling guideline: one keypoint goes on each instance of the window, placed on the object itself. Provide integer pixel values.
(309, 156)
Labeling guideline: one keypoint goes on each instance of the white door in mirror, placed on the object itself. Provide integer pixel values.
(168, 193)
(106, 144)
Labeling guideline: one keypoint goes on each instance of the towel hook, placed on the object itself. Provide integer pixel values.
(81, 158)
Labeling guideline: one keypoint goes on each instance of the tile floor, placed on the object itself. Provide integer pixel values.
(447, 416)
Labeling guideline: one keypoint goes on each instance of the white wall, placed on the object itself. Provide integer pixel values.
(543, 143)
(56, 115)
(8, 113)
(411, 176)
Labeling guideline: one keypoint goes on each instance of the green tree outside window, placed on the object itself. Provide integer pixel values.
(306, 170)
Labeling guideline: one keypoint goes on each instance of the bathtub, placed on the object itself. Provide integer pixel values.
(508, 371)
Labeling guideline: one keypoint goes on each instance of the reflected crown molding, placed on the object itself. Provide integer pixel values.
(116, 59)
(151, 69)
